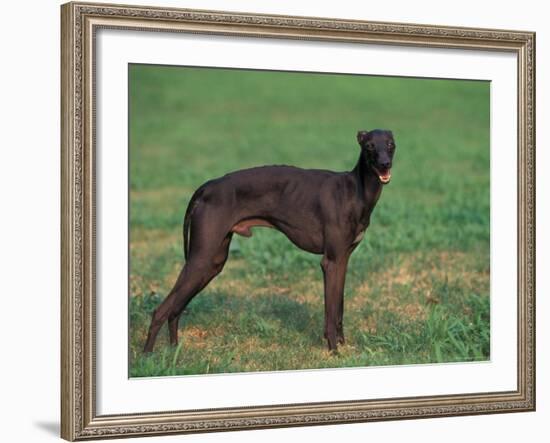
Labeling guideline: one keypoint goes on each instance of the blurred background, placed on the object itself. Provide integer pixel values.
(417, 288)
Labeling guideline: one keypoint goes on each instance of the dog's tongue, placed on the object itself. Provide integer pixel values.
(385, 177)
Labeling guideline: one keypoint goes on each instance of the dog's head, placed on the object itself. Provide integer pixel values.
(378, 147)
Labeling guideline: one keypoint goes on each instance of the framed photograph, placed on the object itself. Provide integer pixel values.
(283, 221)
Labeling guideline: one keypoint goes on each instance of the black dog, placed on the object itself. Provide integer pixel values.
(322, 212)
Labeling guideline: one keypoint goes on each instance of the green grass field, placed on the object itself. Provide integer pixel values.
(417, 288)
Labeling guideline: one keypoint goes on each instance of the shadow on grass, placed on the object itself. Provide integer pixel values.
(273, 316)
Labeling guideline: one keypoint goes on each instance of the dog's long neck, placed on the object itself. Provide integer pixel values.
(368, 183)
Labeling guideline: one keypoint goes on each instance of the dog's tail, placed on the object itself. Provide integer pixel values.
(187, 220)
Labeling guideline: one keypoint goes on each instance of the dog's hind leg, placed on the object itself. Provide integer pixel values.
(203, 265)
(173, 323)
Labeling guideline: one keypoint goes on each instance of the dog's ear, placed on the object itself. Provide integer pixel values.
(362, 136)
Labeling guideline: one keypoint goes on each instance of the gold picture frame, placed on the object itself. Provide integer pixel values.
(79, 22)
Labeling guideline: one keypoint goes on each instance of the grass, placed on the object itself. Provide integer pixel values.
(417, 288)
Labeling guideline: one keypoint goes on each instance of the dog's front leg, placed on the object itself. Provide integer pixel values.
(334, 272)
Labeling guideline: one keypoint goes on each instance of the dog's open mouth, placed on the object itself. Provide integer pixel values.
(384, 176)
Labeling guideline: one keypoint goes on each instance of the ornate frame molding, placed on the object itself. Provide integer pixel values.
(79, 420)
